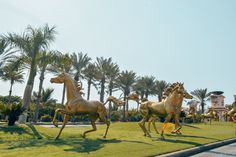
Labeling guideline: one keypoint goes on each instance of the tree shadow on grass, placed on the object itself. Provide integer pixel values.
(77, 145)
(34, 130)
(14, 130)
(191, 126)
(183, 142)
(192, 136)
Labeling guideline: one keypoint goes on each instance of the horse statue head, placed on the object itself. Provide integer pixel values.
(61, 78)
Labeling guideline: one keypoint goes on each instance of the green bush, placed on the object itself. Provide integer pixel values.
(115, 116)
(13, 111)
(134, 115)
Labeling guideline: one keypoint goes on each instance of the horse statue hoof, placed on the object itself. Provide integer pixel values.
(83, 135)
(174, 132)
(162, 138)
(55, 123)
(104, 136)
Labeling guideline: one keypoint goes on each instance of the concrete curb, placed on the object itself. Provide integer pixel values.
(199, 149)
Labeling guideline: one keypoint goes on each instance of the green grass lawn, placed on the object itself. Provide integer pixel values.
(123, 140)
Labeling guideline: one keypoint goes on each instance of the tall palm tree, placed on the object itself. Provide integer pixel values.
(13, 73)
(90, 73)
(125, 82)
(79, 61)
(112, 74)
(62, 63)
(102, 65)
(44, 59)
(160, 87)
(30, 43)
(202, 96)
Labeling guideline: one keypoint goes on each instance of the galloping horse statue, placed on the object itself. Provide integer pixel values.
(115, 101)
(165, 94)
(170, 106)
(76, 104)
(192, 111)
(211, 114)
(232, 113)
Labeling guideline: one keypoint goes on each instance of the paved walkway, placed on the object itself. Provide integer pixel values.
(210, 148)
(227, 150)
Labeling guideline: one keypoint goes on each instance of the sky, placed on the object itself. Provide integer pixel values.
(190, 41)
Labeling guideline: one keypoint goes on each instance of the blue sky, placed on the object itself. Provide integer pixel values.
(191, 41)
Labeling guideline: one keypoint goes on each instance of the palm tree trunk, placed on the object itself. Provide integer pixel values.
(127, 107)
(124, 117)
(89, 88)
(110, 94)
(63, 94)
(202, 105)
(10, 92)
(30, 84)
(39, 95)
(102, 90)
(159, 98)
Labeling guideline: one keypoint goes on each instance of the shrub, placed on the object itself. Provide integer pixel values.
(13, 112)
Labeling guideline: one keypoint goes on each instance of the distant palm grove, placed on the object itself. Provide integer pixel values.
(29, 52)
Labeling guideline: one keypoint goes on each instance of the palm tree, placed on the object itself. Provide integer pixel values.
(138, 87)
(202, 96)
(112, 74)
(90, 73)
(46, 96)
(79, 61)
(160, 87)
(13, 73)
(46, 100)
(30, 43)
(62, 63)
(45, 58)
(149, 85)
(125, 82)
(102, 65)
(5, 52)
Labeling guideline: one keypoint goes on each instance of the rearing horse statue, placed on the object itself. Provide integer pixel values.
(76, 104)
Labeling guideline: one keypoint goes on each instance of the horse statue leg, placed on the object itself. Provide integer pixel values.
(149, 124)
(103, 118)
(55, 121)
(66, 118)
(178, 126)
(93, 120)
(142, 125)
(168, 117)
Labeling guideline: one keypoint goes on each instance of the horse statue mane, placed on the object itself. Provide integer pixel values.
(169, 90)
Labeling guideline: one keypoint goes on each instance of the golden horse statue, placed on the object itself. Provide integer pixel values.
(170, 106)
(232, 113)
(165, 94)
(133, 96)
(115, 101)
(192, 112)
(211, 114)
(76, 104)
